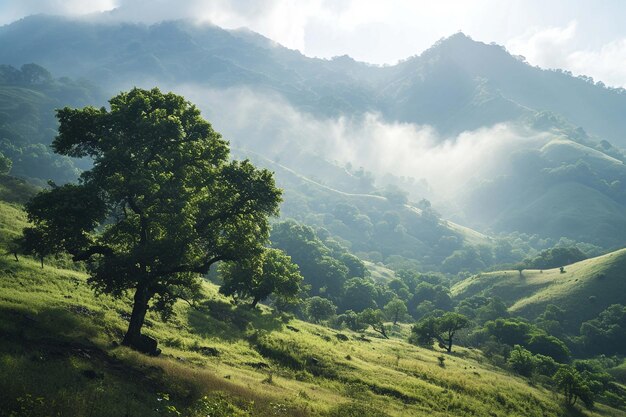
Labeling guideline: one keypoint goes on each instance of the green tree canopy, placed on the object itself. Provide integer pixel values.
(270, 273)
(358, 294)
(573, 386)
(442, 329)
(161, 204)
(318, 308)
(5, 164)
(324, 272)
(395, 310)
(607, 332)
(374, 318)
(555, 257)
(522, 361)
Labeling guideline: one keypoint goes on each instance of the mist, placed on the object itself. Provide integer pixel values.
(265, 123)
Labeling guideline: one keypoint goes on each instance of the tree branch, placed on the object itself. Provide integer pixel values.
(200, 269)
(93, 250)
(142, 220)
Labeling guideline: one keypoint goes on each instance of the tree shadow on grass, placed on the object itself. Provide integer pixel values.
(573, 411)
(50, 326)
(49, 366)
(218, 318)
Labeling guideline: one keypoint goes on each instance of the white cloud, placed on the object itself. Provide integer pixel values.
(11, 10)
(607, 64)
(385, 32)
(556, 47)
(546, 47)
(269, 125)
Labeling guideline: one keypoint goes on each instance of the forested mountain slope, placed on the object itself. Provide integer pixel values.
(458, 84)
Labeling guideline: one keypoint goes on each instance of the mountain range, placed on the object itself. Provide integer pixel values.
(570, 183)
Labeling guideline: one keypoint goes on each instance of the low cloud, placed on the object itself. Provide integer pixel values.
(556, 47)
(11, 10)
(267, 124)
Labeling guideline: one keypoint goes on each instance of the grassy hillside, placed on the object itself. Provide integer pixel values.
(593, 283)
(569, 209)
(59, 356)
(28, 124)
(561, 189)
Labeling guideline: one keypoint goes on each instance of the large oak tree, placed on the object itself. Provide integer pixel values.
(161, 204)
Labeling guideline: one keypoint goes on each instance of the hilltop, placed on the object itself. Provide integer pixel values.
(583, 290)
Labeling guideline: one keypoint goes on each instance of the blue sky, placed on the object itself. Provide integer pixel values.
(585, 37)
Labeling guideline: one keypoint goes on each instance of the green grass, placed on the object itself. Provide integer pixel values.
(593, 283)
(59, 357)
(379, 273)
(12, 221)
(569, 209)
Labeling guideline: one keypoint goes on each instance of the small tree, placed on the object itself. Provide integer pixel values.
(424, 332)
(448, 325)
(318, 308)
(270, 273)
(442, 329)
(569, 381)
(395, 310)
(374, 318)
(37, 242)
(522, 361)
(352, 320)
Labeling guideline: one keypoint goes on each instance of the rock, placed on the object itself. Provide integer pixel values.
(148, 345)
(342, 337)
(293, 329)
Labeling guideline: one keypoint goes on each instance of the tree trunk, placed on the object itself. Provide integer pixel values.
(449, 347)
(41, 259)
(381, 330)
(255, 301)
(140, 308)
(395, 318)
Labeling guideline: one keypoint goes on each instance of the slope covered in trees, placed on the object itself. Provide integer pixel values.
(28, 96)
